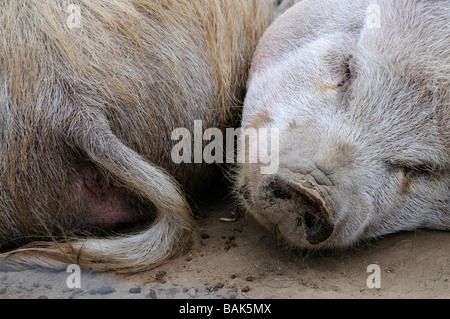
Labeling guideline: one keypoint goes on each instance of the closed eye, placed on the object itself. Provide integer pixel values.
(416, 169)
(349, 74)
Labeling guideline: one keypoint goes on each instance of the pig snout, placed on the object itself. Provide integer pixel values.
(297, 206)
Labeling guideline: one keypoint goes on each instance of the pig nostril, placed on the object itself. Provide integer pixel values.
(298, 223)
(281, 193)
(317, 230)
(309, 220)
(306, 200)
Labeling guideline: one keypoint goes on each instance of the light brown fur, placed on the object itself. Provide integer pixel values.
(105, 98)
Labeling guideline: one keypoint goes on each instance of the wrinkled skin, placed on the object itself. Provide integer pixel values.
(364, 120)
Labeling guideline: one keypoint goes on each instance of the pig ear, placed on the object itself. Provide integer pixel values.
(414, 30)
(412, 33)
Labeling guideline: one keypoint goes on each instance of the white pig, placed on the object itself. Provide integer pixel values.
(359, 91)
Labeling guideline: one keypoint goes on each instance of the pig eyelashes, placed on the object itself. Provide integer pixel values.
(423, 170)
(349, 74)
(415, 170)
(279, 2)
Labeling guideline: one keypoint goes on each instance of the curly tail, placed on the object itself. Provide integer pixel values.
(170, 232)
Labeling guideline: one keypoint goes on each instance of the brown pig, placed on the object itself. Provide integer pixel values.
(359, 94)
(90, 92)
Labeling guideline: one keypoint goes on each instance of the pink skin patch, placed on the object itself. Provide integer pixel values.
(106, 206)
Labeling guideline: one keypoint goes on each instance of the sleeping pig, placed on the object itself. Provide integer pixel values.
(359, 92)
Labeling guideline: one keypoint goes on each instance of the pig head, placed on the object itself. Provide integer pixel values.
(359, 91)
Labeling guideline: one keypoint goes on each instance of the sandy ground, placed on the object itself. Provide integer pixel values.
(241, 260)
